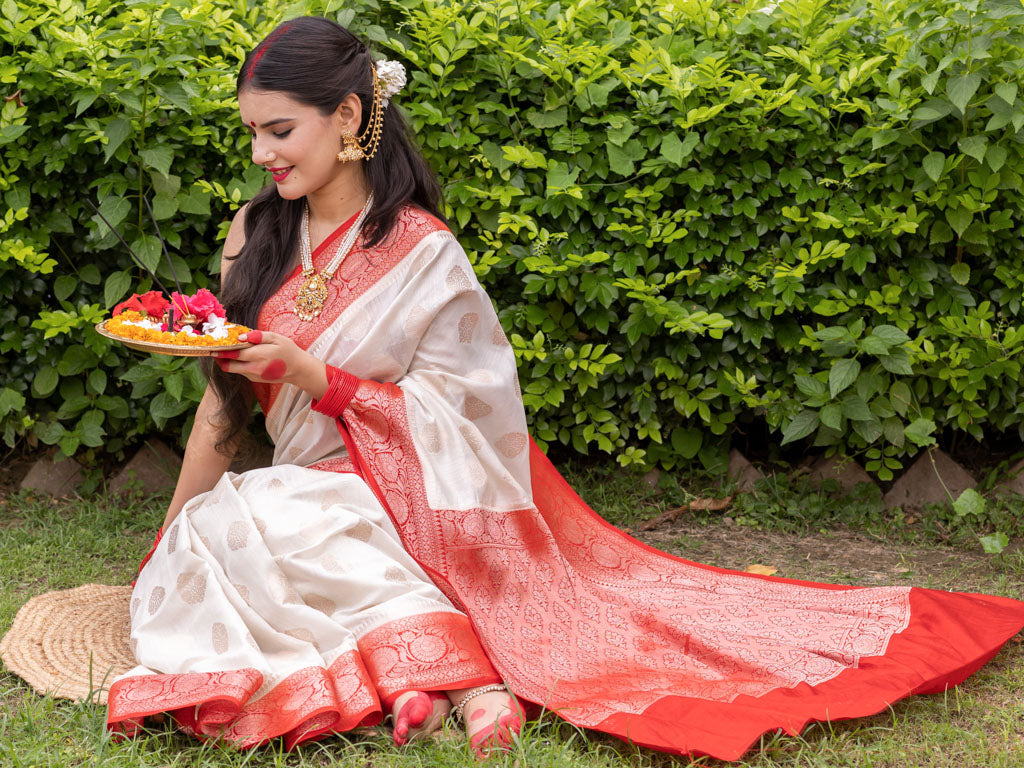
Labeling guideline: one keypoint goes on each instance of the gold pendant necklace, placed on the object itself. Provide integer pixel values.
(312, 294)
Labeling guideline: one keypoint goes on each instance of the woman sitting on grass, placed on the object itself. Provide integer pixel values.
(410, 549)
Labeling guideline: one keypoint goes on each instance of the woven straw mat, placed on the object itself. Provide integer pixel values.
(72, 643)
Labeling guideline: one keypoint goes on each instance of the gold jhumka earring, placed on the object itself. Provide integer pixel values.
(365, 147)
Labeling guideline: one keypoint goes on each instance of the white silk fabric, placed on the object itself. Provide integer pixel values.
(427, 325)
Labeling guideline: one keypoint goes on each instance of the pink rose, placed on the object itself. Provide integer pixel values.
(203, 304)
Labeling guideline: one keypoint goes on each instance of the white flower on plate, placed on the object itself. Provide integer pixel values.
(216, 327)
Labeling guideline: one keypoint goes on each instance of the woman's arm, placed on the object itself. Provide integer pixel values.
(203, 464)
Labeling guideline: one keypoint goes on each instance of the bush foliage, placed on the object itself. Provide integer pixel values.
(693, 216)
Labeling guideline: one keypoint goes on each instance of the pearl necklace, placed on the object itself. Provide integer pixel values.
(310, 300)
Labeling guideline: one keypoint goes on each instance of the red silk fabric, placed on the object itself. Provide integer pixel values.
(546, 623)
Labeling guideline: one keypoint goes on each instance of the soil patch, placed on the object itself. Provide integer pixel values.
(838, 556)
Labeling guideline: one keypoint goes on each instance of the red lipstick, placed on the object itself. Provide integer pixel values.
(280, 174)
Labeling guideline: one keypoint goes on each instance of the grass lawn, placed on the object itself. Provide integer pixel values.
(47, 545)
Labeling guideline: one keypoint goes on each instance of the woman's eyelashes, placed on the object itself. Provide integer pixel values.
(275, 134)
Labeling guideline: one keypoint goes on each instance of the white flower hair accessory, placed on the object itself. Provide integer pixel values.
(391, 77)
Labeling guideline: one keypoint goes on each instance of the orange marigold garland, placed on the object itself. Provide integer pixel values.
(194, 321)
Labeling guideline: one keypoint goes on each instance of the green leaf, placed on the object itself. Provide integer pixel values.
(149, 250)
(994, 543)
(164, 407)
(960, 272)
(90, 272)
(869, 429)
(1006, 91)
(117, 131)
(832, 416)
(68, 443)
(45, 381)
(619, 160)
(159, 158)
(810, 386)
(961, 89)
(805, 422)
(934, 163)
(117, 285)
(551, 119)
(890, 334)
(98, 380)
(974, 146)
(64, 286)
(996, 157)
(10, 401)
(842, 374)
(90, 427)
(174, 384)
(855, 409)
(959, 219)
(114, 210)
(970, 502)
(873, 345)
(75, 360)
(687, 442)
(919, 432)
(676, 151)
(897, 361)
(560, 177)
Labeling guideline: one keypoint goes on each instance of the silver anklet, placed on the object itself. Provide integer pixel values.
(494, 688)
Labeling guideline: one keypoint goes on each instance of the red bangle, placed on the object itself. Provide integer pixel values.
(341, 388)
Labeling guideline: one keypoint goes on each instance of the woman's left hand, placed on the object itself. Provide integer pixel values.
(274, 359)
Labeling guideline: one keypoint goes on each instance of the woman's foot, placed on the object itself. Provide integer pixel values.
(418, 714)
(493, 718)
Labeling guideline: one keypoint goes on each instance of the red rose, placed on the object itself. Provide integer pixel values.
(132, 303)
(154, 303)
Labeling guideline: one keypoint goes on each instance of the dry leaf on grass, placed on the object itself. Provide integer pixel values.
(763, 570)
(697, 505)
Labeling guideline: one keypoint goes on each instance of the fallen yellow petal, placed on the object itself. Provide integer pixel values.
(763, 570)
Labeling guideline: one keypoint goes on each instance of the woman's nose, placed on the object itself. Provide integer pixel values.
(261, 156)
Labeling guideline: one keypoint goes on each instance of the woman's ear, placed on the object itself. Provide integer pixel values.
(350, 114)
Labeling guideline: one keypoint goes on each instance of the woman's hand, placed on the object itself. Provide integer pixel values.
(275, 359)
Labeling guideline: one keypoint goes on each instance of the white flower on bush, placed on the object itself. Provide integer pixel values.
(391, 76)
(768, 9)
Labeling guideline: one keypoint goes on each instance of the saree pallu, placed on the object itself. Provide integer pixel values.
(573, 614)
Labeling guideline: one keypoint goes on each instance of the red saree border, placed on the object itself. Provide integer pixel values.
(916, 662)
(934, 649)
(307, 704)
(427, 652)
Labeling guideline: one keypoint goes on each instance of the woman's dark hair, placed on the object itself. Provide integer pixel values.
(318, 63)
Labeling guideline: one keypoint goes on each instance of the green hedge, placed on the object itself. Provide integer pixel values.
(691, 215)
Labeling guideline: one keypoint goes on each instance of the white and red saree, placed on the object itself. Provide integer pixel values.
(283, 604)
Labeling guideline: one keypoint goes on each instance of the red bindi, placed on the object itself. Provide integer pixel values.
(252, 123)
(275, 370)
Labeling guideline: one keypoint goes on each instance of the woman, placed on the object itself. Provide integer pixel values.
(411, 547)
